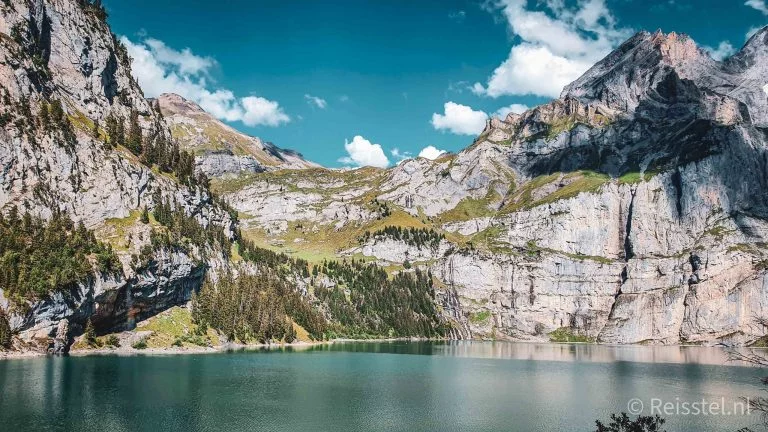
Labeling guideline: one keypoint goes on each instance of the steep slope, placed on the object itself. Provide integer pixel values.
(219, 149)
(630, 210)
(66, 85)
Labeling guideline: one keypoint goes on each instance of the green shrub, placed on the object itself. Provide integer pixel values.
(140, 345)
(113, 341)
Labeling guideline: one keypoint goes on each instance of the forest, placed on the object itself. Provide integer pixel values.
(39, 257)
(255, 308)
(366, 301)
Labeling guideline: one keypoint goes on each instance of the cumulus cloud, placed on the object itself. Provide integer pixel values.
(316, 101)
(160, 69)
(503, 112)
(723, 51)
(557, 46)
(459, 119)
(760, 5)
(362, 152)
(431, 152)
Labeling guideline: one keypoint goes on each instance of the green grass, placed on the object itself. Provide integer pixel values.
(479, 317)
(565, 335)
(173, 326)
(635, 177)
(471, 208)
(575, 183)
(327, 242)
(232, 184)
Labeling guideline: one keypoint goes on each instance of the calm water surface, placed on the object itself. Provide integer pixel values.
(466, 386)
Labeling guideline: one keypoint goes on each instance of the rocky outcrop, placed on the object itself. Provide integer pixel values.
(221, 150)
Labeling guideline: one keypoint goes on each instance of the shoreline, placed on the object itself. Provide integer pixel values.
(172, 350)
(233, 347)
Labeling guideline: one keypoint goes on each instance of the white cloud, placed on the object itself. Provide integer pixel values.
(160, 69)
(556, 46)
(722, 52)
(459, 119)
(758, 5)
(458, 16)
(187, 62)
(431, 152)
(363, 153)
(503, 112)
(400, 155)
(316, 101)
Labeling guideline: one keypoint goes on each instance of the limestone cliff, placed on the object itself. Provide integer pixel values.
(629, 210)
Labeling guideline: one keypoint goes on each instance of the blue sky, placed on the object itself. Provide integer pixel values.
(369, 82)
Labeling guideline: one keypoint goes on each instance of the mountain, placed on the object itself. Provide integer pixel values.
(220, 149)
(629, 210)
(110, 234)
(73, 125)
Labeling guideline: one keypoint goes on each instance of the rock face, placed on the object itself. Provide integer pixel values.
(629, 210)
(219, 149)
(62, 50)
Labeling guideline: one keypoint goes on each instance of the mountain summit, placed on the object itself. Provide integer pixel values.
(220, 149)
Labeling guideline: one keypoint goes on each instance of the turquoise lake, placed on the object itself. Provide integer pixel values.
(399, 386)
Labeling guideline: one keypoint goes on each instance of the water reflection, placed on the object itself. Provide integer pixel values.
(540, 351)
(451, 386)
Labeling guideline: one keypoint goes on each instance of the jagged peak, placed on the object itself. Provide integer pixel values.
(178, 104)
(620, 80)
(754, 49)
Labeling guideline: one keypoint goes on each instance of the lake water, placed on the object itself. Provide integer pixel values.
(458, 386)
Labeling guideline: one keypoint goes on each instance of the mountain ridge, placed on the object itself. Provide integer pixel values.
(219, 148)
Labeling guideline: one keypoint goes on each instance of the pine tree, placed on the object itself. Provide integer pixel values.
(5, 331)
(90, 333)
(144, 216)
(45, 119)
(135, 138)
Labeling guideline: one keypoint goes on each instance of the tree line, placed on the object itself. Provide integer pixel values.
(155, 149)
(419, 237)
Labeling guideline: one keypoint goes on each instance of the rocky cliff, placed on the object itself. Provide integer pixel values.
(61, 53)
(629, 210)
